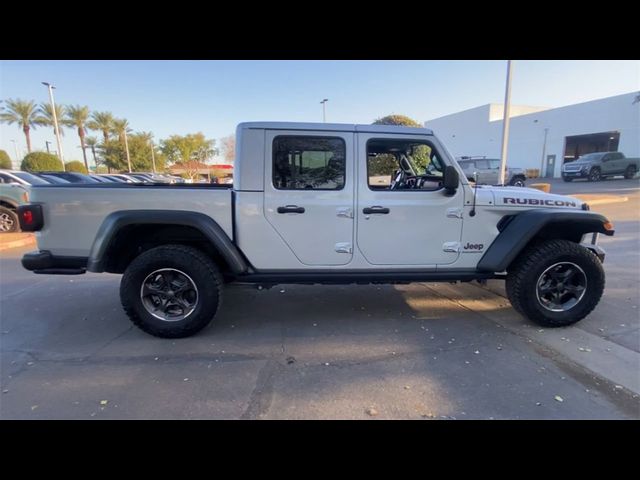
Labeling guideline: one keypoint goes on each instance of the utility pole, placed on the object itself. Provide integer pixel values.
(55, 123)
(505, 125)
(324, 112)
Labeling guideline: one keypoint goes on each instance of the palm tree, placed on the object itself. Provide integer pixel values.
(77, 116)
(121, 127)
(148, 137)
(25, 114)
(47, 115)
(102, 121)
(92, 143)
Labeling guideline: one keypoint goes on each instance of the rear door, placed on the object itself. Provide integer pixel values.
(308, 193)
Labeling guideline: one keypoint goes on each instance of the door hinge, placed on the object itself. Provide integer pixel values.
(344, 247)
(454, 213)
(453, 247)
(345, 212)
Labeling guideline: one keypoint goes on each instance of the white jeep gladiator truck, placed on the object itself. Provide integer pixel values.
(320, 204)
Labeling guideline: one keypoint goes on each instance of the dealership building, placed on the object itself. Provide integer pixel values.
(544, 138)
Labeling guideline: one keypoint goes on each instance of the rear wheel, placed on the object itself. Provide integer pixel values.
(555, 283)
(8, 221)
(595, 175)
(630, 172)
(171, 291)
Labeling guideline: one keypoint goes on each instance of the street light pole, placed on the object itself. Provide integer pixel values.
(324, 112)
(15, 147)
(505, 125)
(544, 152)
(126, 147)
(47, 142)
(55, 122)
(153, 157)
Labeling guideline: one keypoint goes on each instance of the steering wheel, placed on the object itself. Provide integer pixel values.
(398, 179)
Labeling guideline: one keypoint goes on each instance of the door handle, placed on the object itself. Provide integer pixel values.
(375, 210)
(291, 209)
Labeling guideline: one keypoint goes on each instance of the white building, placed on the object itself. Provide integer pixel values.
(542, 136)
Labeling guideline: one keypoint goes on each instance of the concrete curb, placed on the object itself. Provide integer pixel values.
(603, 358)
(601, 201)
(23, 242)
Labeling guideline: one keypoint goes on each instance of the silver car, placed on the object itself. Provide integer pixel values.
(488, 171)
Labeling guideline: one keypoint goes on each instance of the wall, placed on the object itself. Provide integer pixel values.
(471, 132)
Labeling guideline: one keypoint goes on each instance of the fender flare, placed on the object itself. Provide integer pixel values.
(524, 226)
(115, 221)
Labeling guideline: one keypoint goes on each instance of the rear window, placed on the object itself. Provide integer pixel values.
(308, 163)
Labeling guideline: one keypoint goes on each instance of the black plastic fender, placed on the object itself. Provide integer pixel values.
(526, 225)
(205, 224)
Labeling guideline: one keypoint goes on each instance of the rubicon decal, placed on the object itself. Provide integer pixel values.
(537, 201)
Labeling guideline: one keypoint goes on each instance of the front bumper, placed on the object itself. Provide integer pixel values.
(590, 241)
(46, 263)
(578, 174)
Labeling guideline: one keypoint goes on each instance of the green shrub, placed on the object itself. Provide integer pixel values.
(5, 161)
(75, 166)
(41, 162)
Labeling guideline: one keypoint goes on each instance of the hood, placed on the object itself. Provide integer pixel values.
(531, 198)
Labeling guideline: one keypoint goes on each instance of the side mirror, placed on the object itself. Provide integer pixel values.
(451, 180)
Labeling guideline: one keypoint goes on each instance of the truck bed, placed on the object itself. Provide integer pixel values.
(73, 213)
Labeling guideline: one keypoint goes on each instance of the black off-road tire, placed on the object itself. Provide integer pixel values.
(518, 181)
(523, 275)
(199, 267)
(630, 172)
(9, 221)
(595, 175)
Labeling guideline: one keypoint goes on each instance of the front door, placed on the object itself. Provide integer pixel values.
(551, 166)
(405, 219)
(308, 194)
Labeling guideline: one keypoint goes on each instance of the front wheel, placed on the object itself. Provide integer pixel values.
(517, 182)
(567, 179)
(595, 175)
(171, 291)
(555, 283)
(630, 172)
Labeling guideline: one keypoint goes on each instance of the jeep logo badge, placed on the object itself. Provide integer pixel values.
(473, 246)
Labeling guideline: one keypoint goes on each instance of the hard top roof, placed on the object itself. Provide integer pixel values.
(336, 127)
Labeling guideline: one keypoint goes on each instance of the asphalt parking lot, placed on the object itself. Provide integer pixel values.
(419, 351)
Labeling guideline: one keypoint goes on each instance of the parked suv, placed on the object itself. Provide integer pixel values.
(600, 165)
(488, 170)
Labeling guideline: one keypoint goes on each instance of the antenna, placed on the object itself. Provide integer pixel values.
(472, 213)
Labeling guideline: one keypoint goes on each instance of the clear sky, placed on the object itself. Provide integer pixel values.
(180, 97)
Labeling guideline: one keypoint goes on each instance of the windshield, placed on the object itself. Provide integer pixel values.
(590, 157)
(30, 179)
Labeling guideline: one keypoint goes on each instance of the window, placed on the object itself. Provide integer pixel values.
(395, 164)
(308, 163)
(482, 164)
(494, 164)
